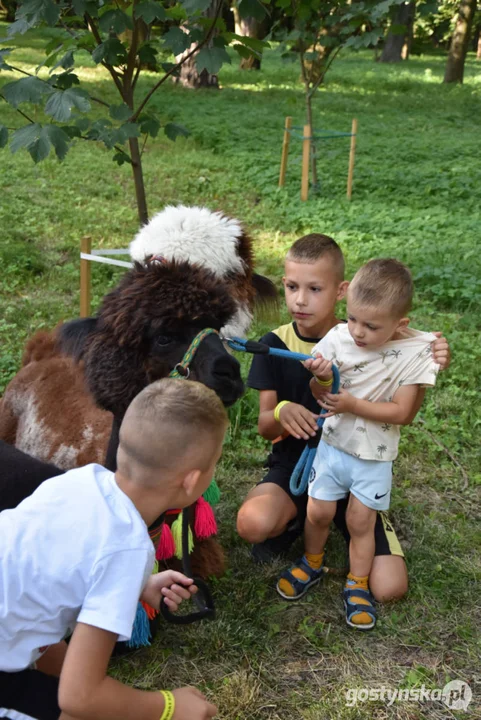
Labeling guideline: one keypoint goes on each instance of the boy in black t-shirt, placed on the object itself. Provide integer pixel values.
(271, 517)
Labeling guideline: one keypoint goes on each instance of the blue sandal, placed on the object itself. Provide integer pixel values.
(300, 587)
(352, 608)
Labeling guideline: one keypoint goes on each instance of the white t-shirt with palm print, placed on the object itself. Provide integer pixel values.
(374, 375)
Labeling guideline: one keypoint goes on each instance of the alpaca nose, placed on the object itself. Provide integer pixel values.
(226, 367)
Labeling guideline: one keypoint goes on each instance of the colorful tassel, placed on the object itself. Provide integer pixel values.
(212, 494)
(141, 630)
(205, 524)
(166, 545)
(176, 530)
(149, 610)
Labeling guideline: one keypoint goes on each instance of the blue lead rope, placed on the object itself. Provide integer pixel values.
(300, 475)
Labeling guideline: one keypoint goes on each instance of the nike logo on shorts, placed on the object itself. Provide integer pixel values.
(378, 497)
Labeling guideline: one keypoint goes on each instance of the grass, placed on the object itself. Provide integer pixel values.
(416, 197)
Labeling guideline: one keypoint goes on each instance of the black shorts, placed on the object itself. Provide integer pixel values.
(28, 694)
(386, 541)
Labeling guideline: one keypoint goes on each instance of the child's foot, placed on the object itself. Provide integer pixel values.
(359, 603)
(267, 551)
(295, 582)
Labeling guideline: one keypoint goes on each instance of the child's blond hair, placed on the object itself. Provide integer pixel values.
(383, 283)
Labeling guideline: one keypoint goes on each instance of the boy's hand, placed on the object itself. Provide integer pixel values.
(319, 366)
(190, 704)
(300, 422)
(336, 404)
(441, 351)
(170, 585)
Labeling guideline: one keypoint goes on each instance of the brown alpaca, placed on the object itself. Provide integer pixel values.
(60, 411)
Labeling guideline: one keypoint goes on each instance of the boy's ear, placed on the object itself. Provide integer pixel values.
(403, 323)
(342, 289)
(189, 482)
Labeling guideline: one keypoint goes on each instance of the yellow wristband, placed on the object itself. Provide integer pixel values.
(169, 707)
(278, 408)
(324, 383)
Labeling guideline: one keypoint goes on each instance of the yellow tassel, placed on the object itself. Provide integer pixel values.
(155, 569)
(176, 530)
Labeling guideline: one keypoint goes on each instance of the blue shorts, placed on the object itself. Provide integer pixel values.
(334, 474)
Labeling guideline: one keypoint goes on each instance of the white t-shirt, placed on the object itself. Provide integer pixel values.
(374, 375)
(77, 550)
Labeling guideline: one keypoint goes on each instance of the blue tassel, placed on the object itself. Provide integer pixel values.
(141, 630)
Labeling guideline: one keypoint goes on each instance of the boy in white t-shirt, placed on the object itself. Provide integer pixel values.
(381, 363)
(77, 555)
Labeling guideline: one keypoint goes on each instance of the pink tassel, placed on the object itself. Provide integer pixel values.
(205, 524)
(166, 545)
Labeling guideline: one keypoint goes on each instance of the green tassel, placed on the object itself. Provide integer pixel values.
(155, 569)
(176, 530)
(212, 494)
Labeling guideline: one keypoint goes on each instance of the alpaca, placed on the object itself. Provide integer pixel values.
(68, 400)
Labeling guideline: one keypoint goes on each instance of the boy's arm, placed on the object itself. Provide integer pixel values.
(296, 419)
(86, 693)
(400, 411)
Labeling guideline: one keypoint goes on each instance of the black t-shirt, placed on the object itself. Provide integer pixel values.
(290, 380)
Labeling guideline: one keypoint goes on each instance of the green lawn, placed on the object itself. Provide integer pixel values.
(416, 197)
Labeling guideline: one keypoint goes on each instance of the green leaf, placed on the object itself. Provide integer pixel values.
(33, 12)
(111, 51)
(28, 89)
(59, 139)
(79, 6)
(115, 20)
(82, 123)
(211, 59)
(121, 157)
(3, 54)
(149, 125)
(177, 40)
(72, 131)
(65, 80)
(130, 130)
(173, 130)
(60, 104)
(147, 54)
(32, 139)
(150, 11)
(193, 6)
(252, 8)
(120, 112)
(3, 136)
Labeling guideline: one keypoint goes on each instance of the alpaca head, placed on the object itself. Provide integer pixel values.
(144, 327)
(213, 241)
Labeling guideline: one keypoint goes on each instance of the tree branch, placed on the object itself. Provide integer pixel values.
(179, 64)
(94, 99)
(109, 68)
(329, 63)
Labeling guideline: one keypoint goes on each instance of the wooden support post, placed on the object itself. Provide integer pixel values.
(285, 151)
(85, 247)
(306, 156)
(352, 155)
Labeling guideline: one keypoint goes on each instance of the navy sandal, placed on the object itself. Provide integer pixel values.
(300, 586)
(352, 608)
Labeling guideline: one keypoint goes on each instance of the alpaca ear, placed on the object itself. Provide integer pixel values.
(72, 336)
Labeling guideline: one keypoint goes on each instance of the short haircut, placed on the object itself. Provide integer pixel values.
(310, 248)
(383, 283)
(171, 420)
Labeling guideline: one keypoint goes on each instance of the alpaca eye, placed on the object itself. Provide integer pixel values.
(163, 340)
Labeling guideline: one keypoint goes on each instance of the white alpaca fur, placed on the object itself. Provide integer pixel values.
(195, 234)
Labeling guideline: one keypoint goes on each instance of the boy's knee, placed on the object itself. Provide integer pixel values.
(254, 525)
(388, 580)
(320, 512)
(360, 521)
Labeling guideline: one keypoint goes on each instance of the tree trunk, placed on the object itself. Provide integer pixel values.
(250, 27)
(313, 145)
(398, 41)
(138, 180)
(460, 41)
(189, 76)
(478, 53)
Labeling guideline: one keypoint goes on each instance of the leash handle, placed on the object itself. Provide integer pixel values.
(258, 348)
(203, 597)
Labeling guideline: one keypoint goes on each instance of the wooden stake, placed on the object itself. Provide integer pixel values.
(352, 154)
(306, 156)
(285, 151)
(85, 247)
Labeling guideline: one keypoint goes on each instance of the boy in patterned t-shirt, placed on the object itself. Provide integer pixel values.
(381, 363)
